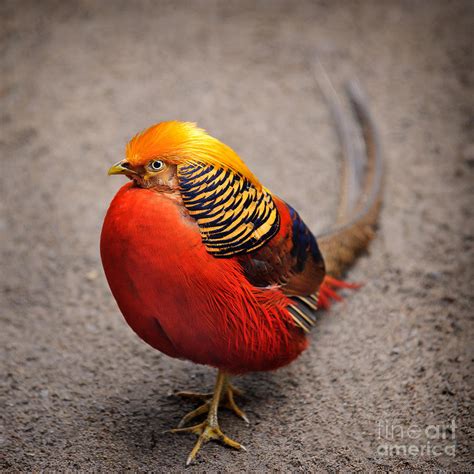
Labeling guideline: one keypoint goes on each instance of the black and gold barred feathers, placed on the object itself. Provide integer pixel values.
(233, 216)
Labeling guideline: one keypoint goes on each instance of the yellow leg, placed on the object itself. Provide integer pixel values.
(209, 429)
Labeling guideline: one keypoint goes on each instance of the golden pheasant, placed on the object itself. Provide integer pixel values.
(208, 265)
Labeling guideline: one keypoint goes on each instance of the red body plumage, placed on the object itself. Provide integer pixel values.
(182, 300)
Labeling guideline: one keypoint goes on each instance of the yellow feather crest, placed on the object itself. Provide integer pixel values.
(184, 142)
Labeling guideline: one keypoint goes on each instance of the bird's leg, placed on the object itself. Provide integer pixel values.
(209, 429)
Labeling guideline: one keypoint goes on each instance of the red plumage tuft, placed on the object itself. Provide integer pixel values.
(328, 291)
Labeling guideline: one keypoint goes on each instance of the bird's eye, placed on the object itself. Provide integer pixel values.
(156, 165)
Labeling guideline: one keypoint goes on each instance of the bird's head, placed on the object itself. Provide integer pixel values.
(153, 156)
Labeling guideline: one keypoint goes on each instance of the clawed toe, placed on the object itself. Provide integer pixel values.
(209, 429)
(195, 395)
(193, 414)
(207, 432)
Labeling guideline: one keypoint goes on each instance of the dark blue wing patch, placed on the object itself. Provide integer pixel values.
(304, 242)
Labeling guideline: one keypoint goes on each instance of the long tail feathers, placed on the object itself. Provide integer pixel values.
(358, 215)
(360, 201)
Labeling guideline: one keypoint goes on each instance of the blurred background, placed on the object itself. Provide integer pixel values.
(78, 389)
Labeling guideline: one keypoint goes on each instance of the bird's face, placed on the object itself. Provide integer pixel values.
(155, 156)
(156, 173)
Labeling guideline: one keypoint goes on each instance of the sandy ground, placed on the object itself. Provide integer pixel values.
(78, 389)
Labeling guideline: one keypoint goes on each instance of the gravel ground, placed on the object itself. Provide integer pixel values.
(79, 390)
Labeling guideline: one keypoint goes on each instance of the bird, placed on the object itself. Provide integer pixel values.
(208, 265)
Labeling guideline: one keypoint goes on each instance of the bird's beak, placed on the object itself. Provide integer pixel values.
(122, 167)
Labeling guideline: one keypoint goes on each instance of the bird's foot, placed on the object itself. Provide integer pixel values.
(227, 401)
(209, 429)
(206, 431)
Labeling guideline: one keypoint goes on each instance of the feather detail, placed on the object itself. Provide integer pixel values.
(291, 259)
(233, 216)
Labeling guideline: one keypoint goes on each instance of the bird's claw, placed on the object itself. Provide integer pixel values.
(207, 431)
(232, 406)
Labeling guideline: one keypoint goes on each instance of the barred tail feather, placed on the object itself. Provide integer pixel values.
(342, 244)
